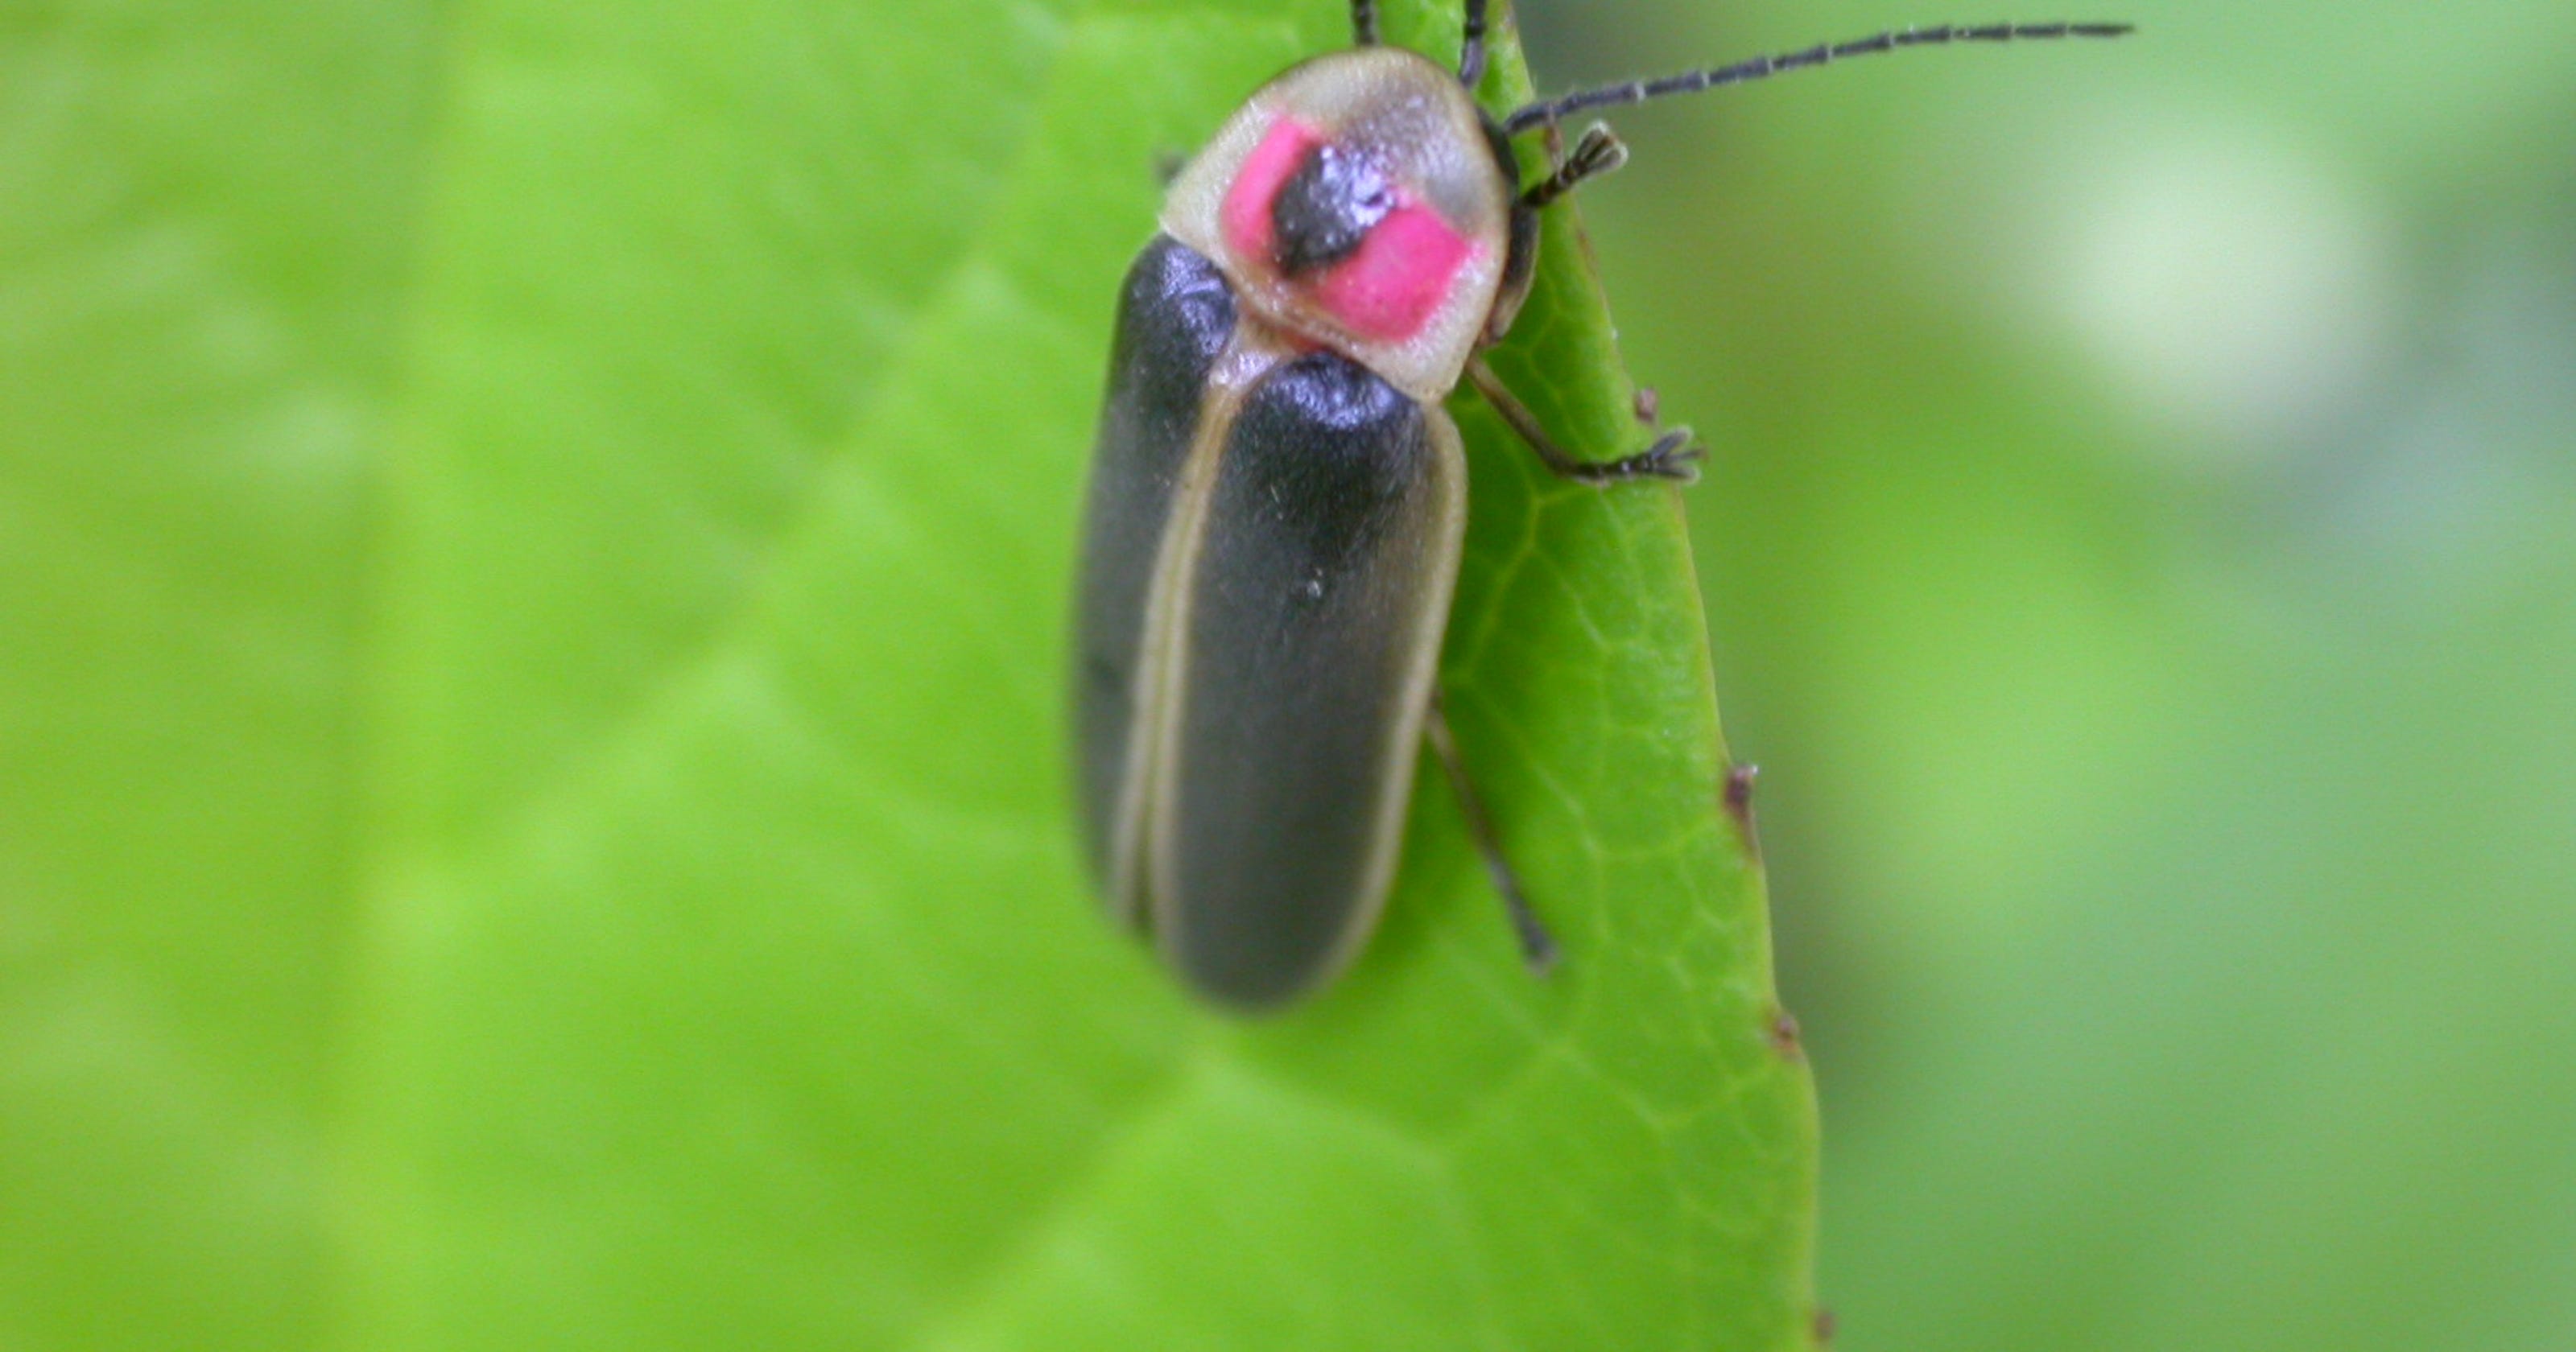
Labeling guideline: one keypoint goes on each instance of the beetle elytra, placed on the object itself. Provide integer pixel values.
(1278, 498)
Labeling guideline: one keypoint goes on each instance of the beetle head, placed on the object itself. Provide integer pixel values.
(1358, 202)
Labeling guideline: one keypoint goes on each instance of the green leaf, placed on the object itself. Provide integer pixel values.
(574, 814)
(202, 230)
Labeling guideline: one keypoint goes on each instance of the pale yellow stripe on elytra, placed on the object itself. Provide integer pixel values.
(1250, 352)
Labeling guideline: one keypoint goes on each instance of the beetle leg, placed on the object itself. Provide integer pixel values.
(1597, 152)
(1471, 45)
(1538, 947)
(1363, 23)
(1673, 456)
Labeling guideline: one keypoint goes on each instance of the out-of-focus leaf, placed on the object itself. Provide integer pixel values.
(205, 211)
(2172, 832)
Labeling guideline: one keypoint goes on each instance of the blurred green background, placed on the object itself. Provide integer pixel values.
(2142, 550)
(2140, 539)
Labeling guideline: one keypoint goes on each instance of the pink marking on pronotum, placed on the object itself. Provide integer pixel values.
(1400, 275)
(1245, 215)
(1387, 289)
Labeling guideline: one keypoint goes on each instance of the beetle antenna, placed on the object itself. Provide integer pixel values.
(1471, 46)
(1745, 72)
(1363, 23)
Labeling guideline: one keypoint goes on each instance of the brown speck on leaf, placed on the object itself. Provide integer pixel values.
(1739, 804)
(1824, 1327)
(1649, 406)
(1784, 1035)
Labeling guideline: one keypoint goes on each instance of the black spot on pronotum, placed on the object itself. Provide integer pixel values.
(1739, 804)
(1326, 208)
(1783, 1035)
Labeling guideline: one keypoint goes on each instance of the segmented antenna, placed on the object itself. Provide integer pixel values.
(1471, 45)
(1745, 72)
(1364, 23)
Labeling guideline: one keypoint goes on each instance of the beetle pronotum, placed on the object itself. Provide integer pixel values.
(1277, 497)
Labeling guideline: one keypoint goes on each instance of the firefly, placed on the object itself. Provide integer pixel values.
(1278, 497)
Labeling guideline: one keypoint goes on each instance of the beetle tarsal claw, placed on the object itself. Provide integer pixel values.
(1674, 456)
(1600, 151)
(1597, 153)
(1539, 952)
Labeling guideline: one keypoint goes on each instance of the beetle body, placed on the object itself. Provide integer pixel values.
(1277, 505)
(1275, 516)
